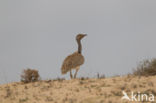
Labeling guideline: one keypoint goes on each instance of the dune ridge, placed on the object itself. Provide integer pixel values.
(91, 90)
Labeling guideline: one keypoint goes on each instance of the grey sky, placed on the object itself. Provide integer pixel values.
(40, 33)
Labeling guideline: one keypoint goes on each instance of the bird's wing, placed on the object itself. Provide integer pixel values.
(72, 61)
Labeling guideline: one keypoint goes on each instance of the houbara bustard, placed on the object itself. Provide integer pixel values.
(75, 60)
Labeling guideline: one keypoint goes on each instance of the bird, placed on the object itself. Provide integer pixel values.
(75, 60)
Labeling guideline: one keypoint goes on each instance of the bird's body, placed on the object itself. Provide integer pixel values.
(75, 60)
(72, 62)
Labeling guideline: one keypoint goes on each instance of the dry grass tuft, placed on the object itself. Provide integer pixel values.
(59, 79)
(8, 92)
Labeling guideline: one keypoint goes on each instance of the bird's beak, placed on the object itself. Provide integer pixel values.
(85, 34)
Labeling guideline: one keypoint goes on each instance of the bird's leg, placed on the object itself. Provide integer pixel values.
(77, 68)
(71, 76)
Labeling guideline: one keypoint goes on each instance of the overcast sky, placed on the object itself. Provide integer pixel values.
(39, 34)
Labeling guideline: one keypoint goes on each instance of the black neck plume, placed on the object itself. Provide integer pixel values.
(79, 46)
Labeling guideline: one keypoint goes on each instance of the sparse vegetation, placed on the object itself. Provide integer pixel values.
(116, 93)
(84, 78)
(146, 68)
(133, 85)
(23, 100)
(30, 75)
(81, 82)
(59, 79)
(100, 76)
(8, 92)
(89, 90)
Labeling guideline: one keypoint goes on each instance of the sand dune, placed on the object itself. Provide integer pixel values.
(107, 90)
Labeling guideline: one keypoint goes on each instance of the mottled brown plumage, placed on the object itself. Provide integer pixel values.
(72, 61)
(75, 60)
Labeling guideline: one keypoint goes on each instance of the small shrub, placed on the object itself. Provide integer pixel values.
(30, 75)
(146, 68)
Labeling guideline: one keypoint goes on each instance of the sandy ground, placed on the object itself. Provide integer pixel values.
(106, 90)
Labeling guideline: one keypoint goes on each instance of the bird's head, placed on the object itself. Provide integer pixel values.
(80, 36)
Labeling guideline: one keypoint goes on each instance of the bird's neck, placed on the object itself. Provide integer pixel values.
(79, 46)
